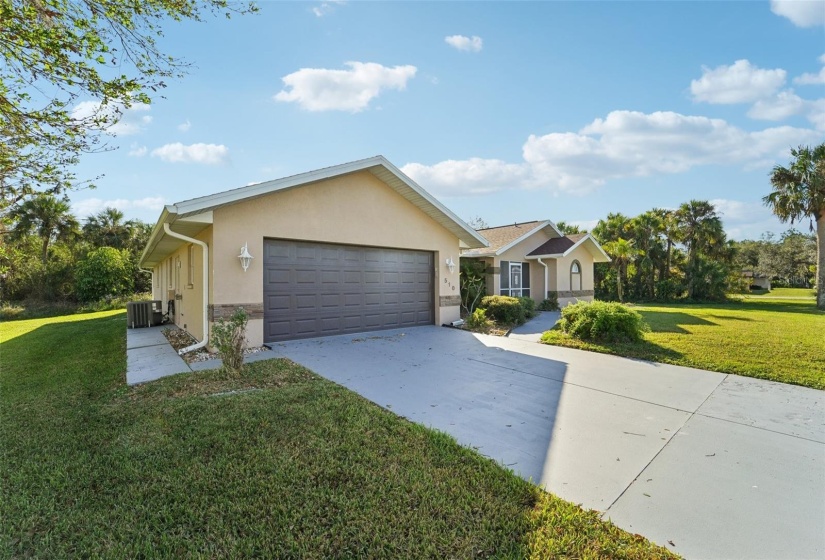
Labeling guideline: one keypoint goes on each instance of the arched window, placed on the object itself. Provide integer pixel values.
(575, 276)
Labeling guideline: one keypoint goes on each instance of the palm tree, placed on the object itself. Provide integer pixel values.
(622, 252)
(107, 229)
(568, 229)
(799, 193)
(670, 229)
(646, 228)
(701, 231)
(46, 216)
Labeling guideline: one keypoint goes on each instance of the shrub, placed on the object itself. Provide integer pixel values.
(529, 306)
(229, 338)
(551, 303)
(603, 322)
(105, 272)
(504, 309)
(473, 283)
(478, 321)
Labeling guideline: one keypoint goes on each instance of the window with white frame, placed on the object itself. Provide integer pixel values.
(191, 257)
(576, 276)
(515, 279)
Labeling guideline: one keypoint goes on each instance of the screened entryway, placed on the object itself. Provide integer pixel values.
(515, 279)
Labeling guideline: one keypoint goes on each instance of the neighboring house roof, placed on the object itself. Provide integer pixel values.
(502, 238)
(190, 217)
(563, 246)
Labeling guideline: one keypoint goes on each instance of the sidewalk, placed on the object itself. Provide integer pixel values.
(532, 330)
(149, 356)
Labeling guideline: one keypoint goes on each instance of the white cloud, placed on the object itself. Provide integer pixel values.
(783, 105)
(326, 8)
(811, 79)
(471, 176)
(321, 89)
(130, 120)
(740, 82)
(208, 154)
(91, 206)
(624, 144)
(136, 150)
(463, 43)
(803, 13)
(185, 126)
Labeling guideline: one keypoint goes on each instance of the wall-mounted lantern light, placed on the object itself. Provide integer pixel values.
(246, 258)
(450, 265)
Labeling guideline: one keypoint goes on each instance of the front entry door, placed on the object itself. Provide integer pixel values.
(515, 279)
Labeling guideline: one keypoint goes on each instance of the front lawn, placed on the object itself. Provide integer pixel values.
(278, 464)
(769, 338)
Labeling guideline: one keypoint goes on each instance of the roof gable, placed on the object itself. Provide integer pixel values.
(196, 209)
(563, 246)
(502, 238)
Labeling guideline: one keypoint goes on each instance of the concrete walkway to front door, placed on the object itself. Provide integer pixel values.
(721, 466)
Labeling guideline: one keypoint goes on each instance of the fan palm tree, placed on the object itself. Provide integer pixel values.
(622, 252)
(47, 217)
(107, 229)
(701, 231)
(646, 229)
(670, 229)
(799, 193)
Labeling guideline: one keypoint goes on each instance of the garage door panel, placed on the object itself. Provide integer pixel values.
(315, 289)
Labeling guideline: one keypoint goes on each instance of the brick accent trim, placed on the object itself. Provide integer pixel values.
(225, 310)
(576, 293)
(449, 301)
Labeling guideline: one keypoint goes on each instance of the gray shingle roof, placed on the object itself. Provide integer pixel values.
(558, 245)
(500, 236)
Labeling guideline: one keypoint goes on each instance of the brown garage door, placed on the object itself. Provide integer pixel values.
(320, 289)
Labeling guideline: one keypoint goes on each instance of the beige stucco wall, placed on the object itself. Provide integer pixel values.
(563, 265)
(189, 305)
(356, 209)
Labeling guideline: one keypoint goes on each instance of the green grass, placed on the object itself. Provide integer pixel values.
(288, 466)
(782, 293)
(18, 310)
(769, 338)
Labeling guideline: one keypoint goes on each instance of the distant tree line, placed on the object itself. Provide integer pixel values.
(788, 261)
(665, 254)
(46, 254)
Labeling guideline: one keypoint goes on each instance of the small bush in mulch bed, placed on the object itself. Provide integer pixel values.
(478, 321)
(551, 303)
(602, 321)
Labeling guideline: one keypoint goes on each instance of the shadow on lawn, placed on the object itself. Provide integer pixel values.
(666, 321)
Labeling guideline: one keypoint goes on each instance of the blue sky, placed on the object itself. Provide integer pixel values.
(509, 111)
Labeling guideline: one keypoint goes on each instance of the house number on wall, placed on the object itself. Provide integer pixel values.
(450, 284)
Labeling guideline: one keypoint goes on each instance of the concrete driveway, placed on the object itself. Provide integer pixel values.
(721, 466)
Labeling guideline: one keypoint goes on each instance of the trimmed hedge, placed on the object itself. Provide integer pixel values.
(529, 306)
(603, 322)
(504, 309)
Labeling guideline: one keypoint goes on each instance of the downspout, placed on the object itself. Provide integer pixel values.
(205, 340)
(546, 286)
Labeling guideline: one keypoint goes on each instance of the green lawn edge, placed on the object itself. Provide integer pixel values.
(762, 337)
(277, 463)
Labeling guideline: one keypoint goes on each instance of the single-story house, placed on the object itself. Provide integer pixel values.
(350, 248)
(533, 258)
(756, 279)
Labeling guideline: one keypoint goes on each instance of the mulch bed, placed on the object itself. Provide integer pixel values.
(180, 339)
